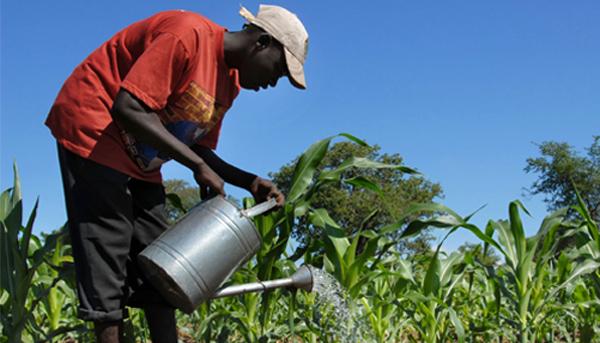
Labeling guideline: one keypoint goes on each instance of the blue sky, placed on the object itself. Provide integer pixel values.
(461, 89)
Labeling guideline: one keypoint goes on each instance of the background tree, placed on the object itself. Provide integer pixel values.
(350, 206)
(559, 168)
(490, 259)
(188, 196)
(181, 196)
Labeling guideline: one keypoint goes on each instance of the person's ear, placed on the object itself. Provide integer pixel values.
(264, 41)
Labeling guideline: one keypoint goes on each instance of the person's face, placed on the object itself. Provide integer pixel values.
(264, 65)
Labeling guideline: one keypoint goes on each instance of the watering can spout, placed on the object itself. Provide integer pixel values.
(302, 279)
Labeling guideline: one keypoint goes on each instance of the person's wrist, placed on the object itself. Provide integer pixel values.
(198, 165)
(252, 182)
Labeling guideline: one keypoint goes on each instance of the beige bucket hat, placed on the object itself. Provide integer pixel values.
(284, 26)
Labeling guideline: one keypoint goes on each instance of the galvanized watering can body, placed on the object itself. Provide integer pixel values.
(189, 262)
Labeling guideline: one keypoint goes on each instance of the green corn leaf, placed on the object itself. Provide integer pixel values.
(360, 262)
(418, 208)
(5, 204)
(341, 244)
(526, 267)
(301, 208)
(447, 267)
(431, 283)
(489, 232)
(418, 225)
(516, 228)
(362, 163)
(524, 306)
(354, 139)
(37, 258)
(458, 326)
(363, 182)
(335, 241)
(320, 218)
(547, 233)
(591, 224)
(29, 229)
(508, 243)
(467, 218)
(563, 267)
(334, 248)
(417, 297)
(7, 261)
(483, 236)
(586, 267)
(13, 222)
(328, 265)
(371, 238)
(404, 270)
(581, 206)
(306, 167)
(449, 289)
(16, 190)
(176, 202)
(351, 252)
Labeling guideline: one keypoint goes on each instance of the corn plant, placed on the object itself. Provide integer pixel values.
(523, 280)
(26, 283)
(381, 299)
(275, 229)
(54, 284)
(541, 291)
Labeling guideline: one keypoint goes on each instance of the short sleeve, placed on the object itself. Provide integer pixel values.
(211, 139)
(157, 71)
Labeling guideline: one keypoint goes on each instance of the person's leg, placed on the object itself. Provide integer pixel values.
(149, 223)
(100, 212)
(108, 332)
(162, 323)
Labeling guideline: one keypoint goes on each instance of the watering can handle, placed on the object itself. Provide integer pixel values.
(260, 208)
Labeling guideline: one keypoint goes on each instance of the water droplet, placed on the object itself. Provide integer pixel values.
(343, 319)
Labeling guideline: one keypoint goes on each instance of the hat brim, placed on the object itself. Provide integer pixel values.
(295, 70)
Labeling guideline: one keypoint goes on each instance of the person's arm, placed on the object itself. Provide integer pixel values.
(260, 188)
(144, 124)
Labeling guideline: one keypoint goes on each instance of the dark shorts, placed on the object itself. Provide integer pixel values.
(112, 218)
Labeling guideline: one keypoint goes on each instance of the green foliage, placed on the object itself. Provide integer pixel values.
(181, 196)
(536, 290)
(476, 250)
(34, 294)
(561, 169)
(361, 188)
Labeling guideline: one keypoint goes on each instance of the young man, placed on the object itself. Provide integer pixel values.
(155, 91)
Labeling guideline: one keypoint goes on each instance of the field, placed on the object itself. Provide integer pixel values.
(544, 288)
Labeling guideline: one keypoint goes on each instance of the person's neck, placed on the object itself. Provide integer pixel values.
(233, 48)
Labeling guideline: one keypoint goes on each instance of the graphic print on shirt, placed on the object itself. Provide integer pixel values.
(189, 119)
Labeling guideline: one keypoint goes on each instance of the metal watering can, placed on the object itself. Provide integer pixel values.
(190, 261)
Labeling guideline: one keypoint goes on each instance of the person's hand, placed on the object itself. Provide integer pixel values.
(263, 190)
(209, 182)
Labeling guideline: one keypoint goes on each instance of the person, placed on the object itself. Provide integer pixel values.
(155, 91)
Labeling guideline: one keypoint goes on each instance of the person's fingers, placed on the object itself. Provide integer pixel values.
(275, 193)
(280, 199)
(221, 190)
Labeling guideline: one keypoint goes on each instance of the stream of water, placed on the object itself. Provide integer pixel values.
(332, 300)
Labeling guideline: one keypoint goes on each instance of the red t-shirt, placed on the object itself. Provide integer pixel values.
(173, 62)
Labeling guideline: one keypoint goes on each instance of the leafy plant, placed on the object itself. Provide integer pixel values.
(28, 278)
